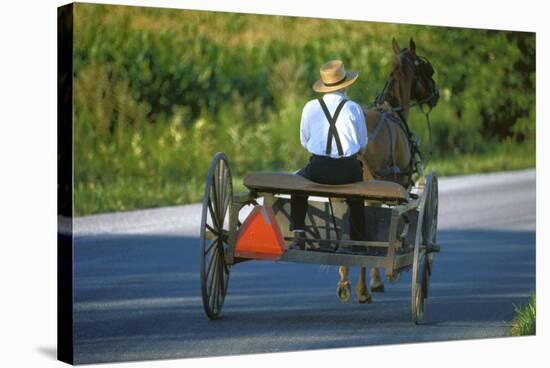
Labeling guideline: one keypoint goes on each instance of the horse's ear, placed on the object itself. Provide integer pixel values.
(395, 46)
(412, 47)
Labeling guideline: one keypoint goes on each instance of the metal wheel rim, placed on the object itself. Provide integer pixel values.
(214, 272)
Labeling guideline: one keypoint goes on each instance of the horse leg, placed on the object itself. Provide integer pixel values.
(343, 288)
(376, 284)
(363, 295)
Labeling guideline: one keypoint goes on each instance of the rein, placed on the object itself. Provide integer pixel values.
(386, 95)
(427, 116)
(399, 108)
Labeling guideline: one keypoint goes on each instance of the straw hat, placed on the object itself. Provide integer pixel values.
(334, 77)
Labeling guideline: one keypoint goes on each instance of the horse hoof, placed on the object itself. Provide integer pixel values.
(364, 299)
(343, 291)
(378, 288)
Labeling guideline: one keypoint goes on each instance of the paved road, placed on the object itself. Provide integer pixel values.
(137, 290)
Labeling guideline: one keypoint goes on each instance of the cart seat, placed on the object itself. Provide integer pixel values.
(286, 183)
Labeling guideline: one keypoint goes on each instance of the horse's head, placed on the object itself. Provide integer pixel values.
(411, 79)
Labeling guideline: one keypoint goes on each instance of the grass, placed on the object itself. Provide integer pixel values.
(126, 193)
(505, 158)
(525, 322)
(158, 91)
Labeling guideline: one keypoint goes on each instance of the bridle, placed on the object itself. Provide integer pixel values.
(423, 71)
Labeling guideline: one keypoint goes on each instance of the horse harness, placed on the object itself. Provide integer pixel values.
(425, 71)
(393, 170)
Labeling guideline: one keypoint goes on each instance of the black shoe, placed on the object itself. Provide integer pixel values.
(299, 241)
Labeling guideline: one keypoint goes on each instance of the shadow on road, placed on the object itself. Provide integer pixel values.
(138, 297)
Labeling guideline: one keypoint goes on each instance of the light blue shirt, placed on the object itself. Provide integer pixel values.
(350, 124)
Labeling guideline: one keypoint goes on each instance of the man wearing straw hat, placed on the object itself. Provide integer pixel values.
(333, 130)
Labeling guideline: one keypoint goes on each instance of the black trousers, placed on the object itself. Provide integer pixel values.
(326, 170)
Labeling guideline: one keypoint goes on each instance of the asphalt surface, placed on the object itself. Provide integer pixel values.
(137, 289)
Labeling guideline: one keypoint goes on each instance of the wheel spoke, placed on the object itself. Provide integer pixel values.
(219, 190)
(225, 278)
(223, 282)
(220, 284)
(214, 189)
(210, 264)
(226, 193)
(228, 190)
(215, 284)
(211, 245)
(212, 214)
(226, 204)
(212, 277)
(212, 299)
(212, 230)
(226, 269)
(221, 182)
(220, 195)
(210, 234)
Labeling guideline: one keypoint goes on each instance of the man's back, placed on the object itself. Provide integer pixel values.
(350, 124)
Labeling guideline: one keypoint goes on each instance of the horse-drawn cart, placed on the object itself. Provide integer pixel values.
(400, 225)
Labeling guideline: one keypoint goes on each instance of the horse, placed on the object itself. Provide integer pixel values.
(390, 150)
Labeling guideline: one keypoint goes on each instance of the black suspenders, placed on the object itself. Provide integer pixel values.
(332, 129)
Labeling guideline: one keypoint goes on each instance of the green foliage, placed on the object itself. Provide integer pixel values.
(525, 322)
(159, 91)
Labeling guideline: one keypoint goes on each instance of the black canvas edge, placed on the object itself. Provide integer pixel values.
(65, 193)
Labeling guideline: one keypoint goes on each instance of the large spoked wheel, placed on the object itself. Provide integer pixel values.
(429, 229)
(426, 233)
(214, 272)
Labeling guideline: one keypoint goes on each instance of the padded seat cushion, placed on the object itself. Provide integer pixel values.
(286, 183)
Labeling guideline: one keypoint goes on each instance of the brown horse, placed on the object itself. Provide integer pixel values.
(388, 155)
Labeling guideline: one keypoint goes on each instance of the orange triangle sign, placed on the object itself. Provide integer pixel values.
(259, 236)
